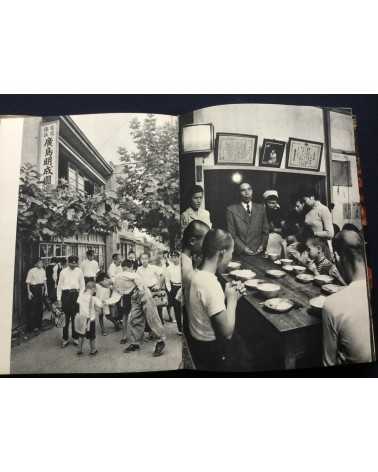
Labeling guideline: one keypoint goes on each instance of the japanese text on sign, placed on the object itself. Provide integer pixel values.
(49, 152)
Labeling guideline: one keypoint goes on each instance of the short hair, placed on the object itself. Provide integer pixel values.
(165, 252)
(245, 182)
(131, 252)
(127, 263)
(73, 260)
(317, 242)
(216, 240)
(194, 230)
(351, 227)
(114, 256)
(90, 252)
(195, 189)
(304, 234)
(63, 260)
(90, 284)
(101, 276)
(38, 259)
(349, 245)
(308, 192)
(175, 254)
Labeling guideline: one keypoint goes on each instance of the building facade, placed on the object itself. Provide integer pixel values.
(59, 149)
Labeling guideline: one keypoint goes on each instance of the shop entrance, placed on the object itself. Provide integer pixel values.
(220, 191)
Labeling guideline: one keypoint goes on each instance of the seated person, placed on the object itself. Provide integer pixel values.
(296, 246)
(318, 263)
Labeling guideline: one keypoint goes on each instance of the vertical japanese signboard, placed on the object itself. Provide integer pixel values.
(49, 149)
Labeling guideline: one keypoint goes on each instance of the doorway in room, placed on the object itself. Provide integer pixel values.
(220, 191)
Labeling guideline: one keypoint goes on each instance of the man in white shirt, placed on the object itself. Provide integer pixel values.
(153, 278)
(71, 282)
(347, 336)
(115, 267)
(37, 289)
(89, 267)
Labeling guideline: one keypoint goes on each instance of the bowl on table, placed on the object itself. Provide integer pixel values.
(299, 269)
(317, 303)
(304, 278)
(279, 305)
(276, 273)
(331, 288)
(323, 279)
(273, 256)
(253, 283)
(286, 261)
(268, 290)
(242, 274)
(288, 268)
(234, 265)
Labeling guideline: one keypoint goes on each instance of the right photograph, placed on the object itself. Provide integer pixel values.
(274, 268)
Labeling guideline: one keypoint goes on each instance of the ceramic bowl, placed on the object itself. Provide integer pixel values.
(268, 290)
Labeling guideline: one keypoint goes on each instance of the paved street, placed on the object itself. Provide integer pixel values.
(43, 355)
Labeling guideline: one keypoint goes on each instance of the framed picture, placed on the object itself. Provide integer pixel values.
(272, 153)
(304, 155)
(197, 138)
(235, 149)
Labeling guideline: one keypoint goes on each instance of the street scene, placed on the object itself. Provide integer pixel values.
(97, 280)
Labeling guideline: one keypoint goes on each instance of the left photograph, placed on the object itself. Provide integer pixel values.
(97, 276)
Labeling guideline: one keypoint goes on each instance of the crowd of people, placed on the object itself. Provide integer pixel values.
(305, 234)
(133, 295)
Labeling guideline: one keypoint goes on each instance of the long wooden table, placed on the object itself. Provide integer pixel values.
(277, 340)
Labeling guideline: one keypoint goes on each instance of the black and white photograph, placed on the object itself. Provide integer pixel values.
(272, 153)
(273, 259)
(97, 277)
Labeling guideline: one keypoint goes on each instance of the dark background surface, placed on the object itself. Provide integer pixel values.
(365, 107)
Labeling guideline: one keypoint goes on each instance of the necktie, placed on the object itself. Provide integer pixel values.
(248, 208)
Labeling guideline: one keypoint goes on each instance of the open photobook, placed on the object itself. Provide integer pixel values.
(229, 239)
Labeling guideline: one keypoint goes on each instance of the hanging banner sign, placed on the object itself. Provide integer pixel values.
(49, 149)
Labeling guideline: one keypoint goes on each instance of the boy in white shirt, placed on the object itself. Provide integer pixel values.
(85, 321)
(89, 267)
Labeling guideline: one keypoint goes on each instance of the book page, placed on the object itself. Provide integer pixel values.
(271, 220)
(94, 280)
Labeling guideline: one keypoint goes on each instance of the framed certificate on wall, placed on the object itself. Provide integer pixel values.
(235, 149)
(303, 155)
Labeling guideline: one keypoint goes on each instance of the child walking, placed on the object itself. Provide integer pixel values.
(85, 321)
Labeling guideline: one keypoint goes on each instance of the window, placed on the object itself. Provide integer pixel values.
(72, 177)
(80, 183)
(341, 174)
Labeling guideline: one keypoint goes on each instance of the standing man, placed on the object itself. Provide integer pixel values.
(115, 267)
(132, 257)
(152, 277)
(194, 211)
(248, 224)
(71, 282)
(89, 267)
(37, 288)
(173, 286)
(346, 314)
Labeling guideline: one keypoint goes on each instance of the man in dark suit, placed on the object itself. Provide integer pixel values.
(247, 223)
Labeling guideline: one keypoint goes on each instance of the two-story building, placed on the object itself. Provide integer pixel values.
(58, 149)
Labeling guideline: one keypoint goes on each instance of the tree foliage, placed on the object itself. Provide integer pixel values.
(149, 188)
(60, 212)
